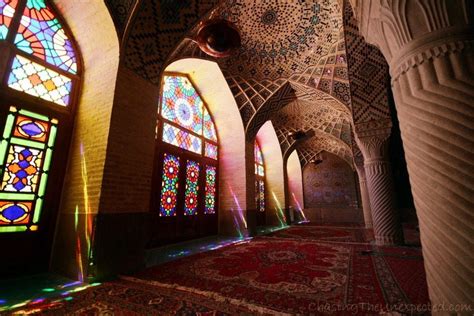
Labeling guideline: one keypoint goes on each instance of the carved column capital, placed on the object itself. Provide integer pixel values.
(374, 146)
(411, 32)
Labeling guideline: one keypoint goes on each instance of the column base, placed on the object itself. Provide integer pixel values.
(388, 240)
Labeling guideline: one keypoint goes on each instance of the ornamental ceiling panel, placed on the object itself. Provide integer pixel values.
(293, 52)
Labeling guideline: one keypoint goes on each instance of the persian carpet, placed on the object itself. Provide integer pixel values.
(284, 276)
(122, 297)
(324, 233)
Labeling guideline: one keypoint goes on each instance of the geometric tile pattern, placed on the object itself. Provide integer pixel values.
(157, 28)
(120, 10)
(369, 75)
(293, 50)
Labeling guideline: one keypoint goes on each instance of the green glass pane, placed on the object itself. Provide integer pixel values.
(47, 160)
(42, 186)
(12, 229)
(3, 148)
(52, 136)
(28, 143)
(34, 115)
(8, 126)
(38, 206)
(17, 196)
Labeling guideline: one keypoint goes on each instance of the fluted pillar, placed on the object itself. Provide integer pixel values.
(379, 180)
(429, 48)
(364, 194)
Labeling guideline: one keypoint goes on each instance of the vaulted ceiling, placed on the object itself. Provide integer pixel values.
(291, 68)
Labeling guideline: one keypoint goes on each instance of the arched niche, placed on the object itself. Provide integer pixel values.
(212, 86)
(330, 193)
(274, 176)
(295, 186)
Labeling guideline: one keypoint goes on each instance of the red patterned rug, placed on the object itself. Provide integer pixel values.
(324, 233)
(300, 277)
(266, 276)
(122, 297)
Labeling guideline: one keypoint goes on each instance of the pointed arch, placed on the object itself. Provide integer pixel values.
(274, 175)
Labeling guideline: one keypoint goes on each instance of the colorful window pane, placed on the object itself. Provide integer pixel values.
(41, 35)
(210, 198)
(7, 10)
(260, 182)
(192, 188)
(22, 169)
(210, 150)
(25, 157)
(178, 137)
(261, 170)
(258, 154)
(261, 195)
(181, 104)
(39, 81)
(209, 130)
(169, 185)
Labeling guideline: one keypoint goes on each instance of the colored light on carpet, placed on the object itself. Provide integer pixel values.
(322, 233)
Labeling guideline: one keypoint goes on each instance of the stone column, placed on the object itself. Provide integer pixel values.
(364, 194)
(429, 48)
(386, 222)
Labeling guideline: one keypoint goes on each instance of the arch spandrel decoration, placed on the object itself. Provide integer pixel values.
(38, 99)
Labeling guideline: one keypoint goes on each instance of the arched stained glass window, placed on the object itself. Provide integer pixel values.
(187, 153)
(260, 177)
(44, 63)
(36, 109)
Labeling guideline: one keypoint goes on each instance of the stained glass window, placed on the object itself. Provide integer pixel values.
(261, 195)
(209, 128)
(259, 169)
(25, 158)
(169, 185)
(210, 151)
(50, 74)
(260, 181)
(192, 188)
(181, 103)
(40, 34)
(210, 204)
(178, 137)
(34, 79)
(7, 10)
(187, 124)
